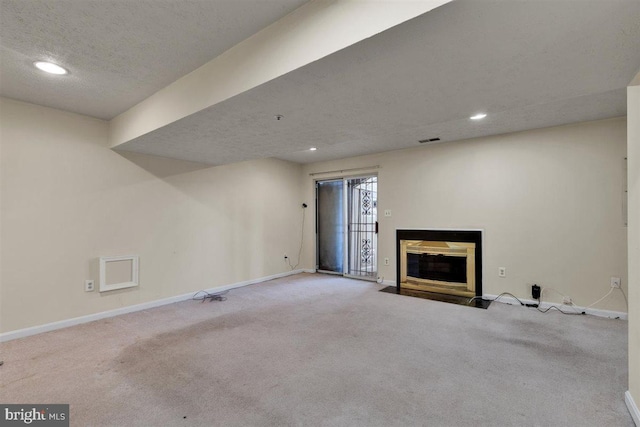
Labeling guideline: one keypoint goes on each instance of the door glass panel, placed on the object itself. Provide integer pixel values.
(362, 202)
(330, 223)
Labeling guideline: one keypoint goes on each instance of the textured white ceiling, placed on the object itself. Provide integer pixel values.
(118, 52)
(528, 64)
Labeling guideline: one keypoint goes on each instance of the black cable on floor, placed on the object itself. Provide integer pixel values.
(536, 306)
(211, 297)
(496, 298)
(560, 310)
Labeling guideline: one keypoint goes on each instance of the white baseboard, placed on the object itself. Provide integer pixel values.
(544, 305)
(21, 333)
(633, 409)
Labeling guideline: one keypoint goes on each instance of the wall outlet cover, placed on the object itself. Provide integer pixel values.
(89, 285)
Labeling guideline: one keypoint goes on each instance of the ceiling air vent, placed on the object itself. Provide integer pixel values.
(425, 141)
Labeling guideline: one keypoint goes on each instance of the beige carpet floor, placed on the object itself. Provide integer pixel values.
(328, 351)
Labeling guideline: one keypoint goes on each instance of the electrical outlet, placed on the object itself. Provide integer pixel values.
(567, 300)
(387, 212)
(88, 285)
(502, 272)
(386, 261)
(615, 282)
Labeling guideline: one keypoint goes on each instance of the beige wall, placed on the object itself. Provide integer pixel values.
(67, 199)
(633, 147)
(549, 201)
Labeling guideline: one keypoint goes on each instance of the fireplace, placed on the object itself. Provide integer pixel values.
(441, 261)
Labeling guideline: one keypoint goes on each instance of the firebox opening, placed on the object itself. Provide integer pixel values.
(437, 267)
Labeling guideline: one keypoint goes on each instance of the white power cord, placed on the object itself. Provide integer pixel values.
(590, 305)
(609, 293)
(564, 297)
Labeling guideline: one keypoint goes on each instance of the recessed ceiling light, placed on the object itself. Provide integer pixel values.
(312, 149)
(478, 116)
(50, 67)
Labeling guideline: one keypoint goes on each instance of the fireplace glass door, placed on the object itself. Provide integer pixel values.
(437, 267)
(447, 267)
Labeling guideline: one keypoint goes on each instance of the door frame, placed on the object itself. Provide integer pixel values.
(345, 215)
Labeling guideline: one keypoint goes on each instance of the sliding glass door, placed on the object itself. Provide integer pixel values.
(347, 227)
(362, 227)
(330, 226)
